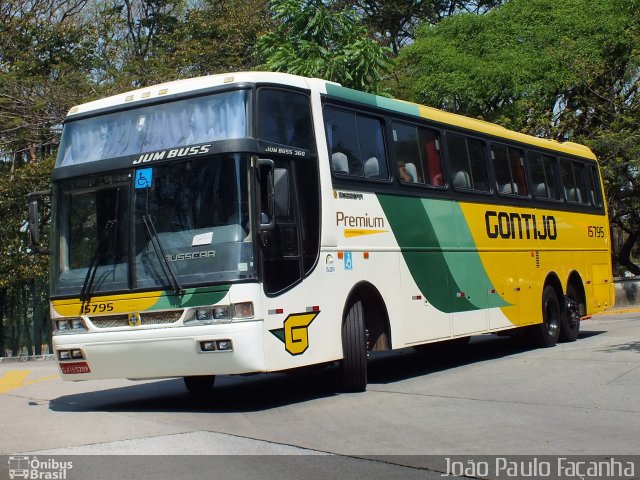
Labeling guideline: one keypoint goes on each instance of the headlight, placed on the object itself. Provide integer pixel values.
(69, 325)
(220, 314)
(213, 315)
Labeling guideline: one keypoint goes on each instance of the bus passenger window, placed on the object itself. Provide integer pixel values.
(356, 144)
(573, 181)
(432, 160)
(593, 184)
(468, 165)
(544, 175)
(508, 164)
(417, 152)
(407, 152)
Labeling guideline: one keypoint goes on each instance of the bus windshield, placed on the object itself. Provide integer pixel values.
(174, 224)
(220, 116)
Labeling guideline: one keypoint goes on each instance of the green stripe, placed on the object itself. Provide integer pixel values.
(440, 252)
(192, 297)
(373, 100)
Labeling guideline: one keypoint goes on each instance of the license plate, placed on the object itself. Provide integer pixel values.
(76, 367)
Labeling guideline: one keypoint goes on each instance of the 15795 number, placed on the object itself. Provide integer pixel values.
(595, 232)
(97, 308)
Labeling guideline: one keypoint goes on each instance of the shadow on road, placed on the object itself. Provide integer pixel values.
(267, 391)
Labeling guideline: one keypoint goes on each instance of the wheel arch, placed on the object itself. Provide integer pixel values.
(553, 280)
(575, 280)
(376, 315)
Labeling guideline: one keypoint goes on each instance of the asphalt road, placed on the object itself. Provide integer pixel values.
(492, 398)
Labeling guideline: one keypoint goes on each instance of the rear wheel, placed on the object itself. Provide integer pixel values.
(199, 384)
(546, 333)
(354, 350)
(573, 308)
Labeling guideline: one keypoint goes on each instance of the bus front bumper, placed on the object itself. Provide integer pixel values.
(227, 349)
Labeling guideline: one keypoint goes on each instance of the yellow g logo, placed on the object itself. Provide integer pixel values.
(295, 332)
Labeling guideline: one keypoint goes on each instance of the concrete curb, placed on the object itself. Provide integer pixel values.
(618, 311)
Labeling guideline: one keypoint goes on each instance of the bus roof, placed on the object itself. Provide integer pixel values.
(334, 90)
(179, 87)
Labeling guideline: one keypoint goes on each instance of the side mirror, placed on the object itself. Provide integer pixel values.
(34, 221)
(266, 194)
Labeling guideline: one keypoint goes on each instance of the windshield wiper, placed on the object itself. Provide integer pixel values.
(157, 247)
(85, 292)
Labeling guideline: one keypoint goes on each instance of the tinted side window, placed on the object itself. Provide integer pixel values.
(432, 159)
(544, 175)
(284, 117)
(468, 164)
(573, 181)
(593, 186)
(508, 164)
(417, 152)
(356, 144)
(407, 151)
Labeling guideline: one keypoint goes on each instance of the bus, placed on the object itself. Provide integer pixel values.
(262, 222)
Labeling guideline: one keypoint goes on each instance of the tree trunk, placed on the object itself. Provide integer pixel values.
(624, 257)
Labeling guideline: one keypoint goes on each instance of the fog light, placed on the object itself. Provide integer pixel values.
(224, 345)
(77, 354)
(64, 354)
(208, 346)
(243, 310)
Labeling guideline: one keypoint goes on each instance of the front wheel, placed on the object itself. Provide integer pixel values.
(354, 350)
(199, 384)
(546, 333)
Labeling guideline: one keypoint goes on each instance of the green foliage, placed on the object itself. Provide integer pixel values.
(394, 21)
(16, 259)
(313, 40)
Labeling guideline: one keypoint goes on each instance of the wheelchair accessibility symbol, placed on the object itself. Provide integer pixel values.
(144, 178)
(348, 261)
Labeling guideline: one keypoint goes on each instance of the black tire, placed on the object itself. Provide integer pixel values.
(354, 349)
(546, 334)
(573, 308)
(199, 384)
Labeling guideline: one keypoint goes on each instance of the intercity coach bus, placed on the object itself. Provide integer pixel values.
(260, 222)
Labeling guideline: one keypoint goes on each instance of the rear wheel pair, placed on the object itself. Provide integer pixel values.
(559, 322)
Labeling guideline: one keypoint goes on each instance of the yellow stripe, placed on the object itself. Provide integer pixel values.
(353, 232)
(15, 379)
(125, 303)
(499, 131)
